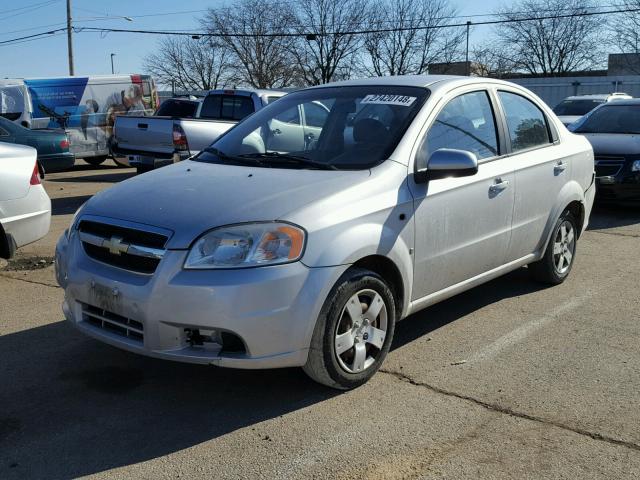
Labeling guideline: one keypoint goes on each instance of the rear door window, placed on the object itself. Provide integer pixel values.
(526, 123)
(226, 107)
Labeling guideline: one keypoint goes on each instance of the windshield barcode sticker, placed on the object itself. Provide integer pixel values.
(401, 100)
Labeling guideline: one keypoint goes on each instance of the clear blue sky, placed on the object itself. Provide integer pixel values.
(48, 57)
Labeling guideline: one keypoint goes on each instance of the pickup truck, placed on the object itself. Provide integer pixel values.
(150, 142)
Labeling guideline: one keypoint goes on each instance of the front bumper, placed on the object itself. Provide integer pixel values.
(620, 187)
(273, 310)
(149, 159)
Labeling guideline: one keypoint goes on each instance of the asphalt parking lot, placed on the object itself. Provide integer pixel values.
(508, 380)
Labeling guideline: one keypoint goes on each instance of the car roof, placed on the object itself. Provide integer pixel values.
(622, 102)
(598, 96)
(424, 81)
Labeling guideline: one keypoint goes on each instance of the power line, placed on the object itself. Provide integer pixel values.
(358, 32)
(28, 9)
(345, 32)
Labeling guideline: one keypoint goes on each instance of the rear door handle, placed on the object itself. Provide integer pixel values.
(143, 126)
(559, 167)
(499, 186)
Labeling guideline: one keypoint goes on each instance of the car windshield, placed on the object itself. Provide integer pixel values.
(611, 118)
(330, 128)
(576, 107)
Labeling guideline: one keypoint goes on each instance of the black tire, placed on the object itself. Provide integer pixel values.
(143, 169)
(323, 364)
(546, 270)
(120, 164)
(95, 161)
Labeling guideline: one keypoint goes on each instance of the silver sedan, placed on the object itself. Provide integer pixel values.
(302, 235)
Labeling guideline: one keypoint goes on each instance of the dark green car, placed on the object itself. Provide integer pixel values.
(52, 145)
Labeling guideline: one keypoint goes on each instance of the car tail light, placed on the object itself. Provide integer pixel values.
(64, 144)
(35, 176)
(179, 138)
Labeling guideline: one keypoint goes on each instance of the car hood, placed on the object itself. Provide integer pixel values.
(190, 198)
(614, 143)
(569, 119)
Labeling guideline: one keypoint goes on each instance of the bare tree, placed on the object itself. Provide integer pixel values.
(261, 58)
(416, 35)
(490, 61)
(326, 45)
(625, 29)
(550, 46)
(189, 64)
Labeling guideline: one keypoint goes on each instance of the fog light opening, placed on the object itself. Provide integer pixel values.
(225, 342)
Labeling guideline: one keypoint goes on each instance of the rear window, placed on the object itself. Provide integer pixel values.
(177, 108)
(226, 107)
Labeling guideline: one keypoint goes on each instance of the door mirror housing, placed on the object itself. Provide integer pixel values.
(448, 162)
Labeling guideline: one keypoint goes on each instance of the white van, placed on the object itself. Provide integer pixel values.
(83, 106)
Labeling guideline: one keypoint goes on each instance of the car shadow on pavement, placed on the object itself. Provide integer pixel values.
(98, 178)
(609, 216)
(72, 406)
(67, 205)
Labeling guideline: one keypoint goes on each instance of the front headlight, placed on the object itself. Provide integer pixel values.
(635, 166)
(247, 245)
(72, 225)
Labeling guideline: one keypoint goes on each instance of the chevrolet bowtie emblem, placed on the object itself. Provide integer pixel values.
(116, 246)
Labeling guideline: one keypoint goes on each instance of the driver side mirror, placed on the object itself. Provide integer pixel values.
(448, 162)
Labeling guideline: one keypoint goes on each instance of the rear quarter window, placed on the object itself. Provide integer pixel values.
(526, 123)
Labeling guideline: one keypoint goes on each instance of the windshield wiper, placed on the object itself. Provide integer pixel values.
(241, 159)
(289, 158)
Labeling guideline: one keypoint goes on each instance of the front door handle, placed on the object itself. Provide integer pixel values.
(559, 167)
(499, 186)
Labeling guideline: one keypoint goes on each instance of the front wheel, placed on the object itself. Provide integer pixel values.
(354, 331)
(556, 264)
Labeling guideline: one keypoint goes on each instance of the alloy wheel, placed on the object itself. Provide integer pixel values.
(361, 331)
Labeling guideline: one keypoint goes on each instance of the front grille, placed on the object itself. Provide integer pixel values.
(128, 235)
(123, 247)
(111, 322)
(608, 166)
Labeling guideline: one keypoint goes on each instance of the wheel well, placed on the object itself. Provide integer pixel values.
(577, 210)
(5, 246)
(388, 270)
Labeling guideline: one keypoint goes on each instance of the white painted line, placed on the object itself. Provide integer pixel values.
(522, 332)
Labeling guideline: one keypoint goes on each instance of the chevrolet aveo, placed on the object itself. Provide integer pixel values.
(302, 235)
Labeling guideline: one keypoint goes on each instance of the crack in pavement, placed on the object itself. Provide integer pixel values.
(513, 413)
(29, 281)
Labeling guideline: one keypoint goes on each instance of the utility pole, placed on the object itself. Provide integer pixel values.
(467, 55)
(69, 39)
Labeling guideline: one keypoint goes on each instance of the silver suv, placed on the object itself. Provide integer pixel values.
(571, 109)
(303, 234)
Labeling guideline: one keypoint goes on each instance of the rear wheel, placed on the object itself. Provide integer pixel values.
(95, 161)
(354, 331)
(560, 254)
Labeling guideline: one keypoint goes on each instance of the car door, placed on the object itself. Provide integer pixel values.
(286, 133)
(463, 225)
(541, 169)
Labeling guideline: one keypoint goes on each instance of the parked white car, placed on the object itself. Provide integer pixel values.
(303, 248)
(572, 109)
(25, 207)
